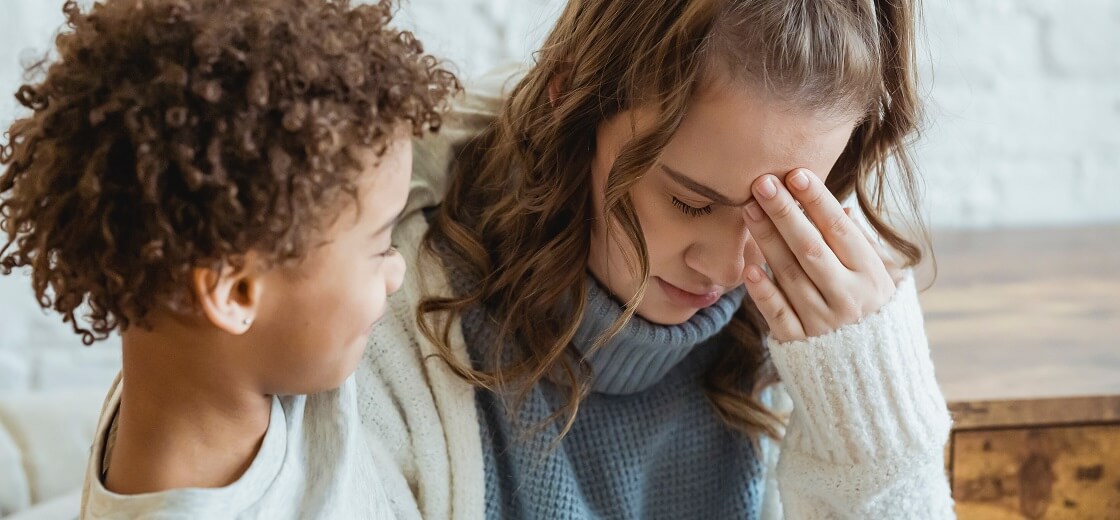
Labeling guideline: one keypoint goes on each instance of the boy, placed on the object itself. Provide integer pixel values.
(218, 181)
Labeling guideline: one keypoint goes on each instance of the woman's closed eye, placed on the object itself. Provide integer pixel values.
(690, 210)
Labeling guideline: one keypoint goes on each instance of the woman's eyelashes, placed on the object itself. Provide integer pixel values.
(692, 211)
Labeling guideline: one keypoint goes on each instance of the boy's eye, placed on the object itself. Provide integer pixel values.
(691, 210)
(392, 250)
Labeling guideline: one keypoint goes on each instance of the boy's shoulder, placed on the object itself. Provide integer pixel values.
(318, 435)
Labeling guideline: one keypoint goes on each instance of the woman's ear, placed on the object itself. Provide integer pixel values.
(557, 85)
(230, 297)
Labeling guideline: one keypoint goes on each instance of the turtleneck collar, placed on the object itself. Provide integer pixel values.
(643, 352)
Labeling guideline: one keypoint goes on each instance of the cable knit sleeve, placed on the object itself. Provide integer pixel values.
(869, 423)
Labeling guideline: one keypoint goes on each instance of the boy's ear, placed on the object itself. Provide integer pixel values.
(229, 298)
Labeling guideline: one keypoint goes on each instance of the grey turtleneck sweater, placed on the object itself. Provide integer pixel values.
(647, 443)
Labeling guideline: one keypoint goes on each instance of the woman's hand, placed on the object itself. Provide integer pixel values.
(828, 272)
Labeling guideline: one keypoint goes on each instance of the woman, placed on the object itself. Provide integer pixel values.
(590, 327)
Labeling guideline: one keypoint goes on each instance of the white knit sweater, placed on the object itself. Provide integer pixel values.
(866, 432)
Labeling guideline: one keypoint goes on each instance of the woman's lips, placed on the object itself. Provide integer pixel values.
(688, 299)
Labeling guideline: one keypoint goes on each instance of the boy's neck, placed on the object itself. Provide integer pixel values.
(190, 415)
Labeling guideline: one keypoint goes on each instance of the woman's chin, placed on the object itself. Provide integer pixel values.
(665, 313)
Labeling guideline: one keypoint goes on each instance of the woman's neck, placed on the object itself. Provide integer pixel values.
(188, 416)
(642, 353)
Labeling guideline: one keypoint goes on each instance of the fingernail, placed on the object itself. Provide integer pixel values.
(754, 274)
(767, 189)
(754, 211)
(799, 180)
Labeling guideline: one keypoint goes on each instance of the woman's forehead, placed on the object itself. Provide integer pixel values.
(739, 134)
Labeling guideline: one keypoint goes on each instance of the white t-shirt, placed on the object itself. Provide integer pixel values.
(313, 463)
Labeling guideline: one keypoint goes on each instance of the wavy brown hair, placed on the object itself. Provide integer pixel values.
(172, 134)
(518, 212)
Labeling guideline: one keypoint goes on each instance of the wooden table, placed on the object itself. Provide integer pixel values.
(1024, 328)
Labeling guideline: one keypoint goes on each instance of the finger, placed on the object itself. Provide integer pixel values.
(886, 254)
(837, 228)
(800, 290)
(800, 235)
(772, 304)
(752, 254)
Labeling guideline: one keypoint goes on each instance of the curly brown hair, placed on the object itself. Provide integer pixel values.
(174, 134)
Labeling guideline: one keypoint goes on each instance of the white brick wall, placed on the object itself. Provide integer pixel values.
(1024, 120)
(1024, 127)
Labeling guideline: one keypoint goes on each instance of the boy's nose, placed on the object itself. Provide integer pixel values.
(394, 279)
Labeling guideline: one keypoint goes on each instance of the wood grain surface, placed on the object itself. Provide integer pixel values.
(1025, 314)
(1029, 473)
(1024, 330)
(1062, 411)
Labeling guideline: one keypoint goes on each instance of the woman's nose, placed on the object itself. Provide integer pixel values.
(719, 256)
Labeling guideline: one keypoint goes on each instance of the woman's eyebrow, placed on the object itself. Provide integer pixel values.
(701, 189)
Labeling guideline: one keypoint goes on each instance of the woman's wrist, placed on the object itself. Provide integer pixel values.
(865, 390)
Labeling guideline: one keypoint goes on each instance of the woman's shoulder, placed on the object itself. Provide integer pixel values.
(424, 277)
(419, 416)
(427, 276)
(400, 359)
(469, 113)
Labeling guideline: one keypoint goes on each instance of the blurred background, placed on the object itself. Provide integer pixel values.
(1022, 139)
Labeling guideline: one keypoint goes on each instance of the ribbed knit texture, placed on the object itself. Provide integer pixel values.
(647, 442)
(642, 352)
(867, 420)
